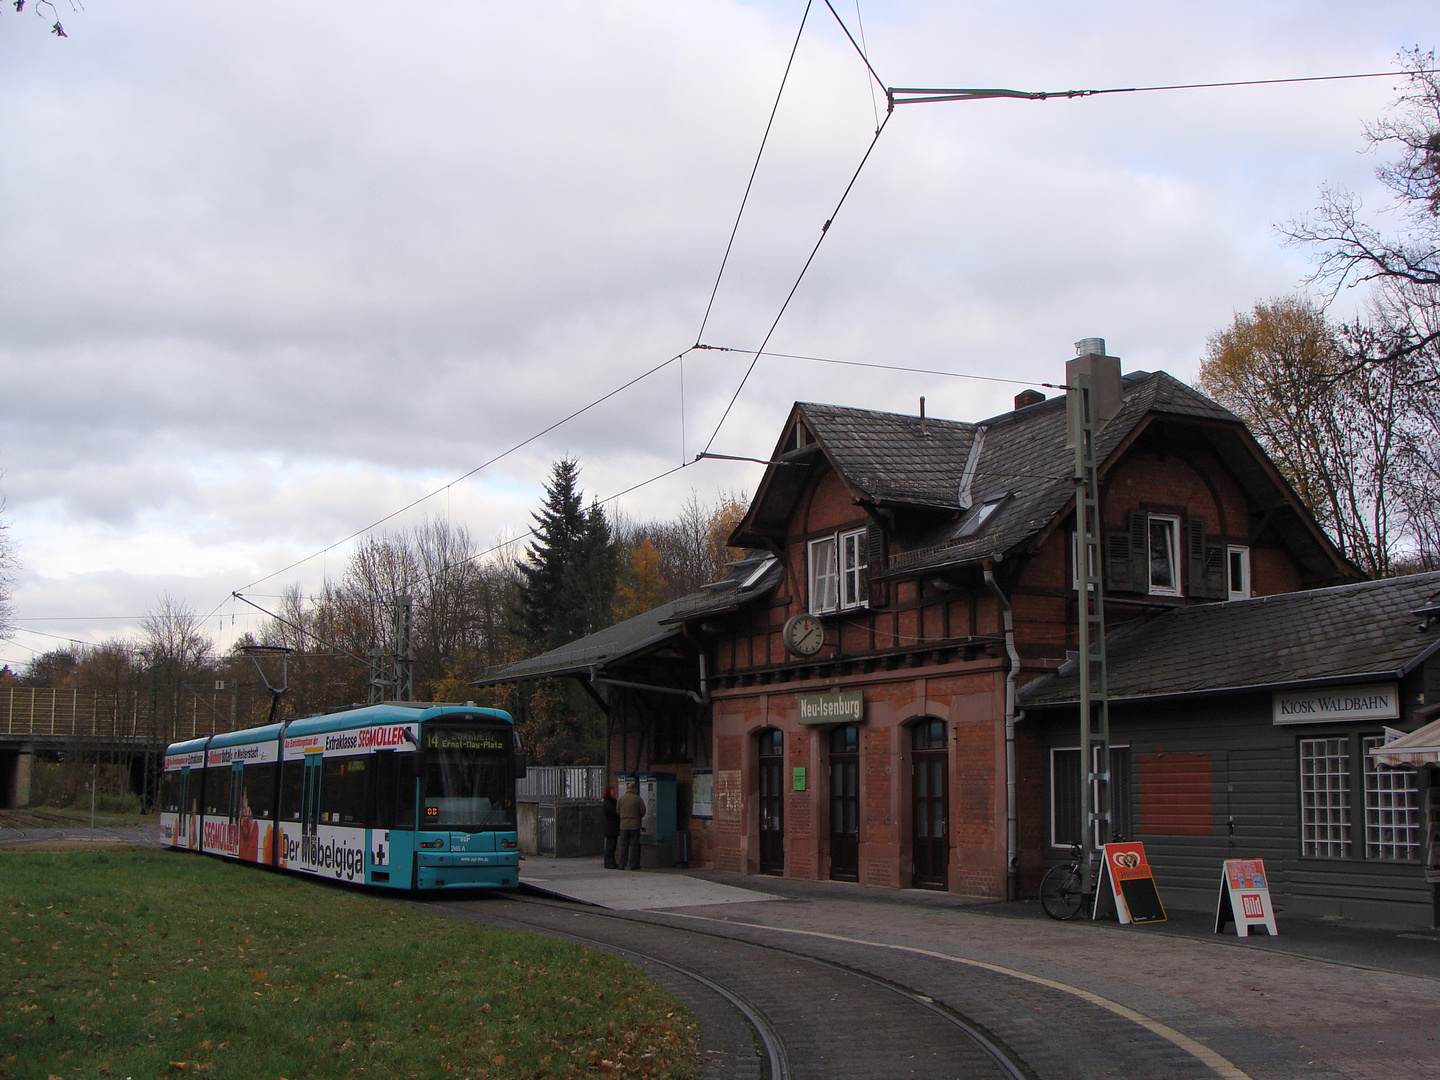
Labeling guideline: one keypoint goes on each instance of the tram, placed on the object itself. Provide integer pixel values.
(400, 795)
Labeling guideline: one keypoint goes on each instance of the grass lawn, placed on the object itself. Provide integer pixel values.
(129, 963)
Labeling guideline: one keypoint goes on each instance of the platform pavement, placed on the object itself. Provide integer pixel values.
(1354, 1000)
(587, 881)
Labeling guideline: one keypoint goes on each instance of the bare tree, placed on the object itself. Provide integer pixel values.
(1402, 264)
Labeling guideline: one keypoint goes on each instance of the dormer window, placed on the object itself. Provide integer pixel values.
(1164, 537)
(839, 572)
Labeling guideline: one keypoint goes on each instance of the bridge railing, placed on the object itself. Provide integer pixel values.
(48, 712)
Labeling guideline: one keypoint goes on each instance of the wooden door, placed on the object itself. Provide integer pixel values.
(930, 805)
(845, 803)
(772, 802)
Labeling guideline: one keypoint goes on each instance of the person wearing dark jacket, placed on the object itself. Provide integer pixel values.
(612, 827)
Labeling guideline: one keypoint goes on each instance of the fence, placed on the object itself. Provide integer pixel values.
(561, 783)
(49, 712)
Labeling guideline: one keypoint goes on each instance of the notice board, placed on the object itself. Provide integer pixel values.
(1127, 882)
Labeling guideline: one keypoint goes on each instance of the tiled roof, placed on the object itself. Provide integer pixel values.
(1026, 466)
(599, 649)
(888, 455)
(752, 576)
(1366, 630)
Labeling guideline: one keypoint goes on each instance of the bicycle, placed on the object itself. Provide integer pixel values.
(1062, 889)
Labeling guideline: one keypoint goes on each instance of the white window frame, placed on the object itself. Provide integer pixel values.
(1172, 521)
(1392, 808)
(841, 585)
(824, 584)
(1243, 592)
(854, 563)
(1325, 798)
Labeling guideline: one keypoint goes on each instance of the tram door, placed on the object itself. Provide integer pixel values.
(310, 800)
(930, 787)
(237, 794)
(845, 803)
(182, 823)
(772, 802)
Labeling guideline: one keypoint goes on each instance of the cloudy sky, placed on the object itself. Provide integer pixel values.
(275, 270)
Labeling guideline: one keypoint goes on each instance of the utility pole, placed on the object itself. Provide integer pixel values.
(1086, 417)
(392, 666)
(404, 648)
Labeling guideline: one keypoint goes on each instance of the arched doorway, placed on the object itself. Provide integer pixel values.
(845, 803)
(772, 801)
(930, 804)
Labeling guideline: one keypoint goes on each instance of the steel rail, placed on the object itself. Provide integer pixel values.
(1004, 1058)
(777, 1059)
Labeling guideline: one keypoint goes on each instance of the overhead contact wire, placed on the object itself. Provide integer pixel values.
(483, 465)
(878, 81)
(824, 231)
(919, 95)
(734, 229)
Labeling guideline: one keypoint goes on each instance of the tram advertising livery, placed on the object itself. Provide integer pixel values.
(399, 795)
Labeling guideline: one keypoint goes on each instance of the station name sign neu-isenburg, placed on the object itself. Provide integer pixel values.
(841, 707)
(1374, 702)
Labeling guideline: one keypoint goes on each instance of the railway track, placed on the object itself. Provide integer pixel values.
(772, 1013)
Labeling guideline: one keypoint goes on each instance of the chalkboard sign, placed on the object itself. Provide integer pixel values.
(1126, 881)
(1143, 900)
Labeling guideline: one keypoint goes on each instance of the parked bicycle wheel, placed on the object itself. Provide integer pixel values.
(1061, 892)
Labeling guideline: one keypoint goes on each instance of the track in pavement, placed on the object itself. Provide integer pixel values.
(772, 1011)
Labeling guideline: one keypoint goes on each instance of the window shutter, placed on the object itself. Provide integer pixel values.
(1139, 551)
(1217, 584)
(1195, 556)
(878, 591)
(1118, 556)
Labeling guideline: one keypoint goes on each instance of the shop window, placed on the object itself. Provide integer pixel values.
(1325, 798)
(1392, 808)
(1163, 538)
(1237, 572)
(1065, 780)
(839, 572)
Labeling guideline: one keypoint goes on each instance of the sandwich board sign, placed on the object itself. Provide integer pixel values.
(1245, 898)
(1127, 883)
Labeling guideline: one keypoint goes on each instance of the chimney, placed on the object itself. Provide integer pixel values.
(1025, 398)
(1105, 388)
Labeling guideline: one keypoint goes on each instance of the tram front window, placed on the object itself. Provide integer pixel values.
(468, 783)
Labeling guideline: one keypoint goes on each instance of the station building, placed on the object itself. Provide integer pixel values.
(845, 703)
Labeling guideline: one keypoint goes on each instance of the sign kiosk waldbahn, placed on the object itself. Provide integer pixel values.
(1245, 898)
(408, 796)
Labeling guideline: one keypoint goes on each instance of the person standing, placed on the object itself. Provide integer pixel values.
(612, 827)
(631, 809)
